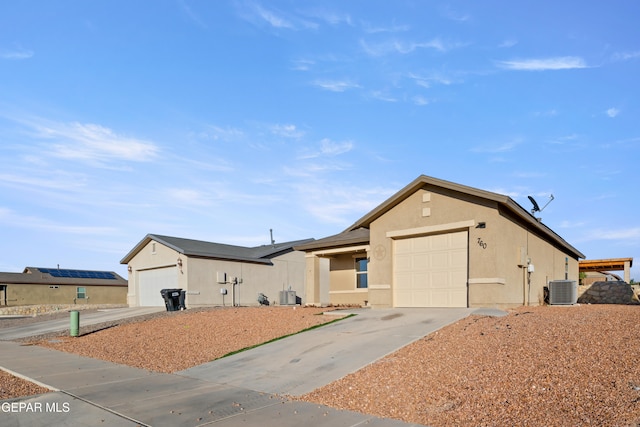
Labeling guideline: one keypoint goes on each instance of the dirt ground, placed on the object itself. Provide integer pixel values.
(558, 365)
(538, 366)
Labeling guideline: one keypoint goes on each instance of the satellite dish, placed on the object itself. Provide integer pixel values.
(536, 208)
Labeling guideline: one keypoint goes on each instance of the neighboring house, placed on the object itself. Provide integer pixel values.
(62, 286)
(591, 277)
(212, 273)
(605, 266)
(439, 244)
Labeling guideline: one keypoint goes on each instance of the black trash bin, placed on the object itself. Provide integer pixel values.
(171, 298)
(181, 304)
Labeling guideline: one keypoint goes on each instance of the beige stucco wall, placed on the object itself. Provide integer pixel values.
(26, 294)
(198, 276)
(516, 245)
(287, 272)
(152, 256)
(423, 209)
(342, 276)
(495, 277)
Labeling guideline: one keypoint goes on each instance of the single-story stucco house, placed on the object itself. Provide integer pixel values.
(439, 244)
(212, 273)
(62, 286)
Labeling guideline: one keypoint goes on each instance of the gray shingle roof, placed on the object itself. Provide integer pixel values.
(346, 238)
(41, 276)
(199, 248)
(355, 235)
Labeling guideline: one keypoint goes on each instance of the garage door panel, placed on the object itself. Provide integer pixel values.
(431, 271)
(404, 262)
(458, 240)
(439, 242)
(440, 260)
(403, 247)
(150, 282)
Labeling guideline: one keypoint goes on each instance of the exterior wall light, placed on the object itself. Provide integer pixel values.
(180, 262)
(129, 269)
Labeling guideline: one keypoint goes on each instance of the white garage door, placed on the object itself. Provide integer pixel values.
(431, 271)
(150, 282)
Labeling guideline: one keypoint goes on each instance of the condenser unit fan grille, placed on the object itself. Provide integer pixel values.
(563, 292)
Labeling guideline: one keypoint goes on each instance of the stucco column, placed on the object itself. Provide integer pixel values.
(627, 271)
(312, 280)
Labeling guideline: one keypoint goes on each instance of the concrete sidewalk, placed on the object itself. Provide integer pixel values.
(59, 325)
(238, 391)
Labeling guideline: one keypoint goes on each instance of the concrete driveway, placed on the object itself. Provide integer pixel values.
(301, 363)
(244, 389)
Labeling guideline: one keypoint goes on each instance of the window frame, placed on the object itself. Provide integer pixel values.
(360, 274)
(84, 292)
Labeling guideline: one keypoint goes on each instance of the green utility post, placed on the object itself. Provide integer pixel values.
(74, 330)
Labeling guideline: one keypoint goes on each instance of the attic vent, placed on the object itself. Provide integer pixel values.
(563, 292)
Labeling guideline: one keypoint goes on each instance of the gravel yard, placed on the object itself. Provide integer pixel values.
(545, 365)
(560, 366)
(11, 387)
(174, 341)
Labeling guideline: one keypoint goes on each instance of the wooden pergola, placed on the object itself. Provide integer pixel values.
(613, 264)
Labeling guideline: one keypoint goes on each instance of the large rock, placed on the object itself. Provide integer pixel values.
(617, 292)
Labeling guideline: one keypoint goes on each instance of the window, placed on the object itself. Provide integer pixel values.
(361, 273)
(81, 292)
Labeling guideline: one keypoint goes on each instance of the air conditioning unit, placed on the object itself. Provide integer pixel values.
(563, 292)
(287, 297)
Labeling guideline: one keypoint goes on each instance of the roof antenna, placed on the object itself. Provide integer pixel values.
(273, 242)
(536, 208)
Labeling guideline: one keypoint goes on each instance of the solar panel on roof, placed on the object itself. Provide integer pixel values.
(79, 274)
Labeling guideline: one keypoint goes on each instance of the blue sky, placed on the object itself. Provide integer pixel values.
(218, 120)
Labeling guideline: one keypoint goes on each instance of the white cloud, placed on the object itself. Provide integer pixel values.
(303, 64)
(336, 85)
(16, 54)
(613, 112)
(561, 140)
(382, 96)
(14, 219)
(56, 180)
(508, 43)
(427, 81)
(558, 63)
(272, 18)
(192, 15)
(628, 235)
(548, 113)
(420, 100)
(456, 16)
(330, 17)
(572, 224)
(626, 56)
(337, 203)
(94, 142)
(405, 47)
(328, 148)
(393, 28)
(187, 196)
(287, 131)
(501, 148)
(331, 148)
(218, 133)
